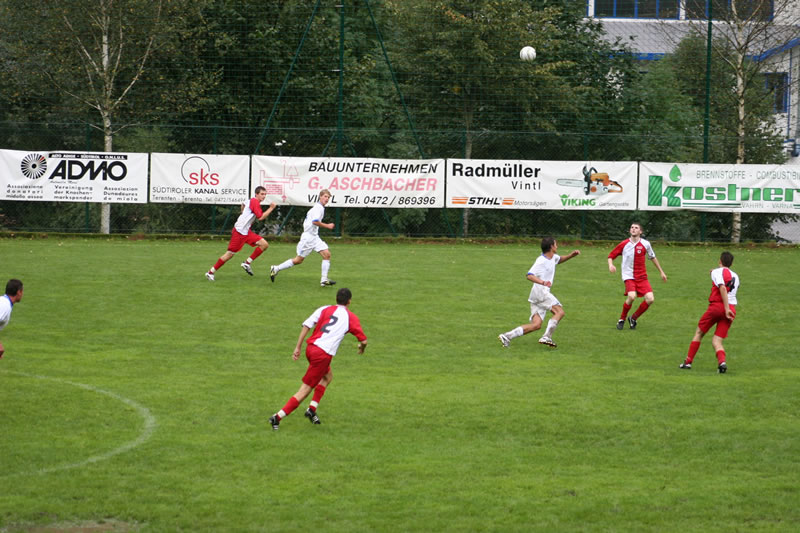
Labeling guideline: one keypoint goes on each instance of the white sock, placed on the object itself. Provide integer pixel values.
(514, 333)
(283, 266)
(551, 327)
(326, 266)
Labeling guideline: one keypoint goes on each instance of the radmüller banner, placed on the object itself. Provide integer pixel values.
(509, 184)
(100, 177)
(710, 187)
(199, 179)
(353, 182)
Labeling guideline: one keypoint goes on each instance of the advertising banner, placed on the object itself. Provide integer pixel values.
(353, 182)
(710, 187)
(507, 184)
(199, 179)
(100, 177)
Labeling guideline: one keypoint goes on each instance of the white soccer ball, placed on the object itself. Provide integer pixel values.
(528, 53)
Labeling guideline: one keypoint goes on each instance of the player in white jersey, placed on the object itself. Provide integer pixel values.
(13, 295)
(310, 241)
(329, 324)
(634, 250)
(241, 234)
(541, 274)
(721, 311)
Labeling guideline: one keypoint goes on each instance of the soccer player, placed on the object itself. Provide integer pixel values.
(721, 311)
(13, 295)
(241, 233)
(310, 241)
(634, 250)
(330, 324)
(541, 274)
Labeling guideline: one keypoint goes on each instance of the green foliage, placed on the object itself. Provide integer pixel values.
(762, 143)
(135, 394)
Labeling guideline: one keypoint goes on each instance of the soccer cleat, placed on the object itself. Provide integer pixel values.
(620, 323)
(632, 322)
(505, 340)
(722, 368)
(326, 282)
(686, 366)
(547, 341)
(274, 421)
(247, 268)
(209, 276)
(272, 273)
(312, 416)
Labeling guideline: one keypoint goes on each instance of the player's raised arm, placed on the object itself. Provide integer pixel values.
(269, 210)
(570, 255)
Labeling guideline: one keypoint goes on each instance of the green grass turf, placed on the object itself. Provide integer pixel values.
(134, 392)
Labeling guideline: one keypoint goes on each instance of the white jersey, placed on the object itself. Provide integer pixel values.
(314, 214)
(728, 278)
(545, 269)
(5, 310)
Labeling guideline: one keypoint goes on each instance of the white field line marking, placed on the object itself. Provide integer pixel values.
(149, 426)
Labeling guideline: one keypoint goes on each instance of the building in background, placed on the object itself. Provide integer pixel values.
(654, 28)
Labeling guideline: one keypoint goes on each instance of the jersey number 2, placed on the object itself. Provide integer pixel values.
(327, 327)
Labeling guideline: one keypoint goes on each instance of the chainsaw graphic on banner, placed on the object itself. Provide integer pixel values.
(593, 182)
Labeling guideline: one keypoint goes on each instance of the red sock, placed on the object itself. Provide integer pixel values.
(721, 356)
(625, 309)
(639, 312)
(258, 251)
(290, 406)
(218, 264)
(319, 390)
(693, 347)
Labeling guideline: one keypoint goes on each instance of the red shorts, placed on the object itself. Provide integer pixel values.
(715, 314)
(319, 364)
(641, 287)
(238, 240)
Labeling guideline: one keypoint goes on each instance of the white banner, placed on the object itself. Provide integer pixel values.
(199, 179)
(709, 187)
(353, 182)
(507, 184)
(100, 177)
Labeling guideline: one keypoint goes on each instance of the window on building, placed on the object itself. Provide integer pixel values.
(664, 9)
(722, 9)
(777, 84)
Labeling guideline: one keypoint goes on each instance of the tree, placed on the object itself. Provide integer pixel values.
(92, 52)
(458, 61)
(745, 35)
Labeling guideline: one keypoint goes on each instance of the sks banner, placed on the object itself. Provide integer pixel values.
(199, 179)
(541, 184)
(353, 182)
(101, 177)
(709, 187)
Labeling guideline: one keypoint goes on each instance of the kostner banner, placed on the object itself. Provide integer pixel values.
(352, 182)
(710, 187)
(101, 177)
(507, 184)
(199, 179)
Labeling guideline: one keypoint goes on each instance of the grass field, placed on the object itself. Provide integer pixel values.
(134, 394)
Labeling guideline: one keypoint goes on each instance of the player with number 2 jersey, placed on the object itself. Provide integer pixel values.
(329, 325)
